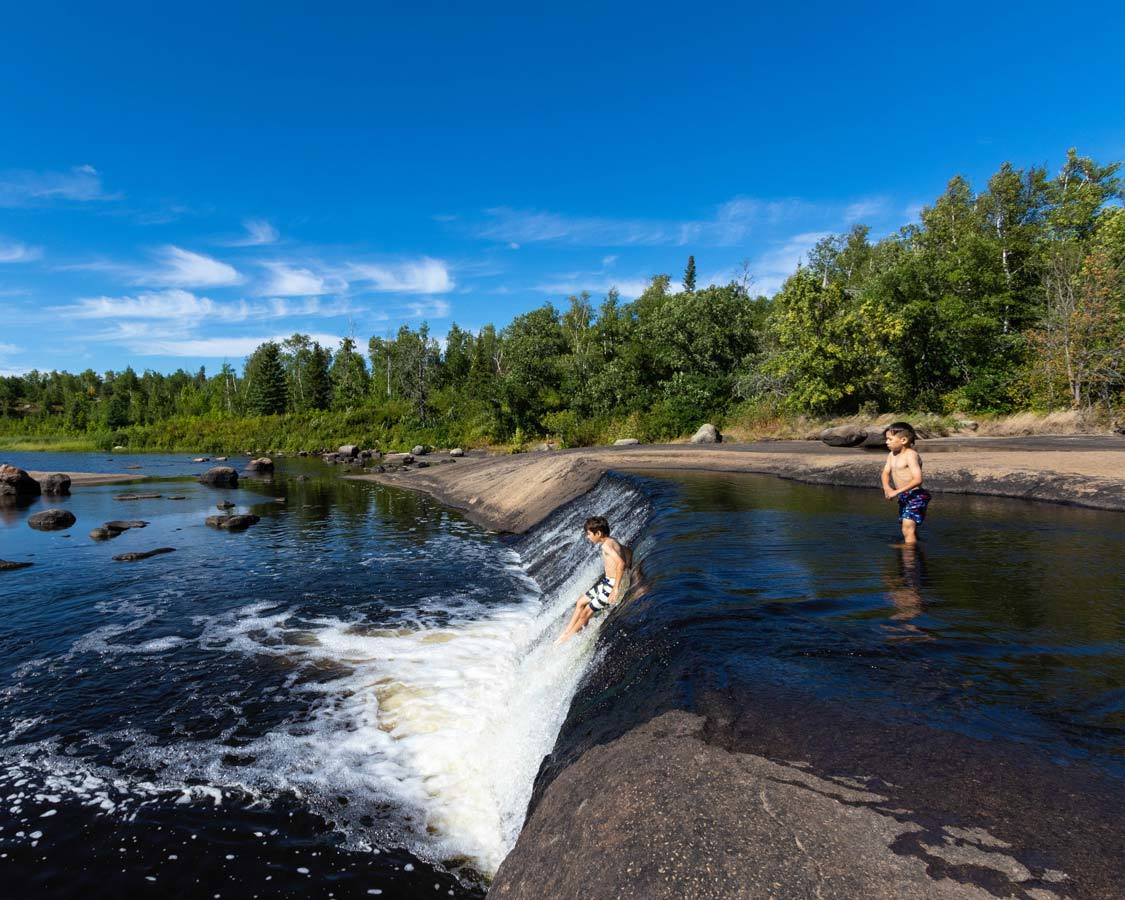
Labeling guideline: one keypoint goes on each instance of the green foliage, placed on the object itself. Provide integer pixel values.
(998, 300)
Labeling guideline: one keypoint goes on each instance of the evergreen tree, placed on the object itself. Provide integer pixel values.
(348, 377)
(265, 378)
(689, 275)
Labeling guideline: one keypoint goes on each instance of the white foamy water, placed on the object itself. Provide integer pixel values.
(432, 726)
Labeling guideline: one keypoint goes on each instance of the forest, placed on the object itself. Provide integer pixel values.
(1000, 299)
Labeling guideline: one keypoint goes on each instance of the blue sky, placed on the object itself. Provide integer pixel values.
(180, 184)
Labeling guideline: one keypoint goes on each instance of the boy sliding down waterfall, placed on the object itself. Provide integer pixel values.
(605, 593)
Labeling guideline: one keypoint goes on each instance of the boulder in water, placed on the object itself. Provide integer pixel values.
(220, 476)
(57, 485)
(232, 523)
(51, 520)
(707, 434)
(120, 525)
(7, 566)
(138, 497)
(262, 464)
(16, 485)
(132, 557)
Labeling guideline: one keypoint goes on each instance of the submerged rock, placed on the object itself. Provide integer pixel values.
(138, 496)
(16, 484)
(7, 566)
(132, 557)
(220, 476)
(57, 485)
(51, 520)
(262, 464)
(120, 525)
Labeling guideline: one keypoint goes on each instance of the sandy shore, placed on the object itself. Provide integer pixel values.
(88, 479)
(514, 492)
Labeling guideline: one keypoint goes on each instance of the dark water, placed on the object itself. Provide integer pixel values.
(355, 695)
(317, 705)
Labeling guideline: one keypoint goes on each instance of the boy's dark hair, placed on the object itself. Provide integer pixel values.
(598, 525)
(903, 428)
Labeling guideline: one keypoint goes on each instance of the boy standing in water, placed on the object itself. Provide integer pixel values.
(904, 466)
(604, 594)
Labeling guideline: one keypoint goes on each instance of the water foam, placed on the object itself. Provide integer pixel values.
(431, 728)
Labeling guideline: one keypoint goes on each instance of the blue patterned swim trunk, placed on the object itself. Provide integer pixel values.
(912, 504)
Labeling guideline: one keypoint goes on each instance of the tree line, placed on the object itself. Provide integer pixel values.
(1007, 298)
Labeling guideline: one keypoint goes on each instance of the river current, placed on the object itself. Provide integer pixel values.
(355, 696)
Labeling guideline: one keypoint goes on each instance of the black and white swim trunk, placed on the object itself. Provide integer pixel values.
(598, 595)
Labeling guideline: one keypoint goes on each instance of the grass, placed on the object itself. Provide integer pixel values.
(47, 444)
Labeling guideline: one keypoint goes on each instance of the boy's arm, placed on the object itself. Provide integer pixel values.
(915, 470)
(886, 476)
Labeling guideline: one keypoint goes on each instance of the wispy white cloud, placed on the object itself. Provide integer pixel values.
(863, 211)
(730, 223)
(17, 252)
(259, 232)
(177, 305)
(433, 308)
(771, 268)
(184, 268)
(28, 188)
(597, 284)
(171, 304)
(287, 280)
(220, 347)
(421, 276)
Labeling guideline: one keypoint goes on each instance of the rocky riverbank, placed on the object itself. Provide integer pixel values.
(514, 492)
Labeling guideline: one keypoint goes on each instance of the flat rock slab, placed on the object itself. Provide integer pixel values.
(138, 496)
(133, 557)
(659, 813)
(125, 524)
(8, 566)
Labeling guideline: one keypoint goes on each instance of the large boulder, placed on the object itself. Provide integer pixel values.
(707, 434)
(51, 520)
(57, 485)
(16, 485)
(262, 464)
(626, 442)
(875, 437)
(419, 450)
(456, 452)
(220, 476)
(844, 436)
(348, 450)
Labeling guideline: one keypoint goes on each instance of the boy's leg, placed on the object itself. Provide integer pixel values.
(583, 603)
(909, 530)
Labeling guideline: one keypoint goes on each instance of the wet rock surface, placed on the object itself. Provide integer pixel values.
(220, 476)
(56, 485)
(8, 566)
(16, 485)
(144, 554)
(51, 520)
(131, 497)
(232, 523)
